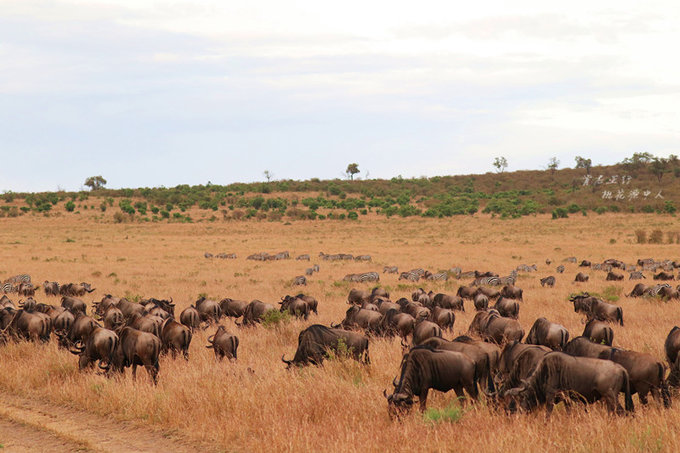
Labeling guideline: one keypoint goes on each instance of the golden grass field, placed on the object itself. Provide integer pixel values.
(337, 407)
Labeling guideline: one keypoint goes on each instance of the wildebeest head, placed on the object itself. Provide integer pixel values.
(398, 404)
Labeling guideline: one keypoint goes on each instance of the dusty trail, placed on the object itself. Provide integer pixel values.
(30, 425)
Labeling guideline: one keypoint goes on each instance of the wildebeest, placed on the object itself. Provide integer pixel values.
(549, 281)
(490, 326)
(294, 306)
(22, 324)
(51, 288)
(599, 332)
(664, 276)
(559, 375)
(312, 303)
(424, 330)
(74, 305)
(368, 320)
(146, 323)
(316, 341)
(519, 361)
(175, 337)
(488, 292)
(358, 296)
(595, 308)
(613, 276)
(71, 289)
(466, 292)
(424, 368)
(448, 301)
(560, 269)
(81, 329)
(481, 302)
(209, 311)
(638, 290)
(138, 348)
(509, 355)
(190, 317)
(672, 349)
(585, 263)
(233, 308)
(581, 277)
(443, 317)
(255, 311)
(511, 292)
(546, 333)
(395, 323)
(507, 308)
(636, 275)
(113, 318)
(223, 344)
(100, 346)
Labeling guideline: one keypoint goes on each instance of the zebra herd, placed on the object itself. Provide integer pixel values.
(14, 284)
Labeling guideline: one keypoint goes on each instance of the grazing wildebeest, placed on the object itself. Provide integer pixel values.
(636, 275)
(509, 356)
(664, 276)
(190, 317)
(488, 292)
(22, 324)
(448, 301)
(443, 317)
(51, 288)
(424, 330)
(80, 330)
(613, 276)
(490, 326)
(549, 281)
(294, 306)
(581, 277)
(74, 305)
(546, 333)
(113, 318)
(466, 292)
(481, 302)
(395, 323)
(175, 337)
(358, 296)
(223, 344)
(511, 292)
(595, 308)
(100, 346)
(507, 308)
(138, 348)
(208, 310)
(312, 303)
(424, 368)
(559, 375)
(146, 323)
(316, 341)
(521, 361)
(585, 263)
(255, 311)
(368, 320)
(672, 348)
(638, 290)
(599, 332)
(560, 269)
(233, 308)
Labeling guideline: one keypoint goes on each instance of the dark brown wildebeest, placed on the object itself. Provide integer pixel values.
(415, 295)
(74, 305)
(358, 296)
(26, 289)
(524, 362)
(294, 306)
(481, 302)
(585, 263)
(638, 291)
(599, 332)
(636, 275)
(209, 311)
(368, 320)
(613, 276)
(129, 308)
(395, 323)
(6, 302)
(71, 289)
(581, 277)
(467, 292)
(317, 341)
(511, 292)
(490, 326)
(546, 333)
(80, 331)
(584, 379)
(175, 337)
(311, 302)
(138, 348)
(255, 311)
(507, 308)
(100, 346)
(448, 301)
(51, 288)
(166, 305)
(190, 318)
(548, 281)
(664, 276)
(424, 330)
(475, 352)
(560, 269)
(595, 308)
(233, 308)
(223, 344)
(672, 348)
(385, 305)
(22, 324)
(488, 292)
(424, 368)
(146, 323)
(668, 293)
(509, 356)
(443, 317)
(113, 318)
(379, 292)
(414, 309)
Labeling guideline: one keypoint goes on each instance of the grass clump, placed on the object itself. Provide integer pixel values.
(450, 414)
(273, 318)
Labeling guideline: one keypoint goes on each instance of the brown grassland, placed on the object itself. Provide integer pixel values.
(339, 406)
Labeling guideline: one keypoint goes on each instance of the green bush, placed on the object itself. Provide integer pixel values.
(560, 213)
(273, 318)
(352, 215)
(70, 206)
(669, 207)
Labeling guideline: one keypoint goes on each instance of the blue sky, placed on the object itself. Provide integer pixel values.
(150, 93)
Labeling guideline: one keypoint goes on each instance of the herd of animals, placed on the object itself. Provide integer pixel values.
(550, 366)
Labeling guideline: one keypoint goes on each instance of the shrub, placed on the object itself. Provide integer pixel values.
(641, 236)
(352, 215)
(656, 237)
(560, 213)
(119, 217)
(669, 207)
(273, 318)
(647, 209)
(573, 208)
(102, 206)
(600, 210)
(70, 206)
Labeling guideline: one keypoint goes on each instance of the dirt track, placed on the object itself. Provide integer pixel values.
(31, 426)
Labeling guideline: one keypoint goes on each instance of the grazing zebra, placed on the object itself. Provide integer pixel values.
(8, 288)
(363, 258)
(468, 274)
(225, 256)
(487, 281)
(636, 275)
(560, 269)
(302, 258)
(571, 259)
(410, 276)
(456, 271)
(327, 257)
(208, 255)
(258, 256)
(550, 281)
(282, 256)
(309, 271)
(509, 280)
(390, 270)
(315, 268)
(438, 276)
(654, 291)
(299, 280)
(21, 278)
(362, 278)
(525, 268)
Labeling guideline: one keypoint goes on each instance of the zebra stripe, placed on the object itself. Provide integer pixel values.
(656, 289)
(8, 288)
(487, 281)
(21, 278)
(438, 277)
(362, 278)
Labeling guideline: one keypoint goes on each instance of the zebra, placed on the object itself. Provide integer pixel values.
(302, 258)
(390, 270)
(361, 278)
(509, 280)
(654, 291)
(363, 258)
(21, 278)
(560, 269)
(550, 281)
(299, 280)
(309, 271)
(456, 271)
(469, 274)
(571, 259)
(208, 255)
(410, 276)
(636, 275)
(438, 276)
(346, 256)
(315, 268)
(487, 281)
(8, 288)
(258, 256)
(282, 256)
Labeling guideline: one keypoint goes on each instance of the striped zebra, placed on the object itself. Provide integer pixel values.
(302, 258)
(571, 259)
(281, 256)
(299, 280)
(208, 255)
(550, 281)
(363, 258)
(456, 271)
(560, 269)
(21, 278)
(315, 268)
(440, 276)
(509, 280)
(654, 291)
(636, 275)
(390, 270)
(410, 276)
(8, 288)
(362, 278)
(487, 281)
(309, 271)
(468, 274)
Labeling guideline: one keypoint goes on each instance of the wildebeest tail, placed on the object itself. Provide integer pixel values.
(628, 398)
(608, 337)
(665, 391)
(619, 314)
(489, 381)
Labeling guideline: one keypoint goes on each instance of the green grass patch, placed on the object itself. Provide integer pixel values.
(451, 414)
(273, 318)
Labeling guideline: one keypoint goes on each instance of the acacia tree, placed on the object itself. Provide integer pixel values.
(95, 182)
(269, 175)
(553, 163)
(501, 163)
(582, 162)
(658, 167)
(352, 169)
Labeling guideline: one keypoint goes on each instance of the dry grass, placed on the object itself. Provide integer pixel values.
(339, 406)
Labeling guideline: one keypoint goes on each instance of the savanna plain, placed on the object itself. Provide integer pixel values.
(255, 404)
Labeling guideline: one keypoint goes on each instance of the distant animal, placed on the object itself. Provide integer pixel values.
(599, 332)
(223, 344)
(613, 276)
(595, 308)
(560, 269)
(316, 341)
(581, 277)
(548, 281)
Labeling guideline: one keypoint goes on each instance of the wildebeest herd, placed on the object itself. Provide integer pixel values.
(550, 366)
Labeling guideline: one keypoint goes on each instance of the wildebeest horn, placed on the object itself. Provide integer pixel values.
(404, 345)
(107, 367)
(336, 326)
(385, 394)
(209, 339)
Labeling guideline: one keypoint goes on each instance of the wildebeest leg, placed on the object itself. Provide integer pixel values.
(423, 400)
(134, 371)
(153, 372)
(174, 352)
(185, 353)
(642, 394)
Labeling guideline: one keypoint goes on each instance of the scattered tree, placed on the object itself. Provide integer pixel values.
(582, 162)
(658, 167)
(501, 163)
(95, 182)
(637, 161)
(269, 175)
(352, 169)
(553, 163)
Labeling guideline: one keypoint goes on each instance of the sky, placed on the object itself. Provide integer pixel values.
(159, 93)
